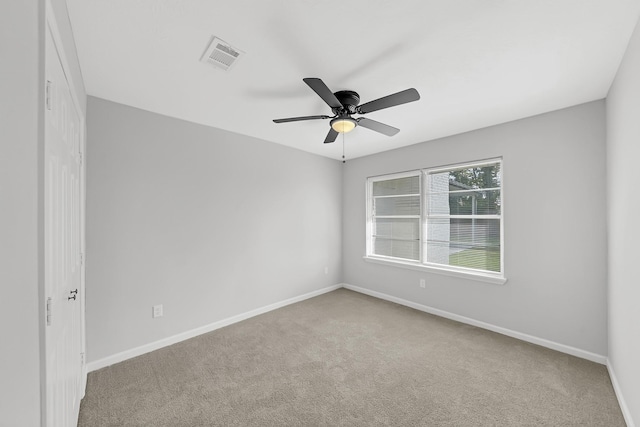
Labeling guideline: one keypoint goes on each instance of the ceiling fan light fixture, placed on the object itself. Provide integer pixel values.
(343, 124)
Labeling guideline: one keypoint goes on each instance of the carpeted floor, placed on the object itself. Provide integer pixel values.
(346, 359)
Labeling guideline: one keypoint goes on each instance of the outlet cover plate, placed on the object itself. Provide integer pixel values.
(157, 311)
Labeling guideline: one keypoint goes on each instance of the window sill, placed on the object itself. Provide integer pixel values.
(444, 271)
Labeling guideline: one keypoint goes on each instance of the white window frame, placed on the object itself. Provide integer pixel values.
(422, 264)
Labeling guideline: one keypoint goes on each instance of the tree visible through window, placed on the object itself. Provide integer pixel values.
(446, 217)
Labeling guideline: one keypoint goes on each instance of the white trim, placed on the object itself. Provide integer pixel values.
(502, 238)
(626, 413)
(442, 216)
(397, 175)
(398, 216)
(477, 276)
(393, 196)
(146, 348)
(598, 358)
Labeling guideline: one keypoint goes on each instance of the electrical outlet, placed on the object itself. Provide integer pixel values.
(157, 311)
(326, 270)
(423, 283)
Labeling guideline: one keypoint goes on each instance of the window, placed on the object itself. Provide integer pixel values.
(448, 219)
(395, 203)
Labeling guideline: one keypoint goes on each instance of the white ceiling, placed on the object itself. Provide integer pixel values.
(475, 63)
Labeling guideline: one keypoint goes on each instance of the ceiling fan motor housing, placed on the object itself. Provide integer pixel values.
(349, 100)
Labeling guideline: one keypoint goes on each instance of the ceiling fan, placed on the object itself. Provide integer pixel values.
(344, 104)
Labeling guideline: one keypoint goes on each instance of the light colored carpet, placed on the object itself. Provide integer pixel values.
(346, 359)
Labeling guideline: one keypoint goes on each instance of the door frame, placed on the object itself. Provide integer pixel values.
(51, 26)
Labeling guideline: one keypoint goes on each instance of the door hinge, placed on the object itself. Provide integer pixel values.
(81, 157)
(81, 258)
(82, 358)
(49, 303)
(48, 95)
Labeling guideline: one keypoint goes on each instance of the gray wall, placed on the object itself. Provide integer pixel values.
(554, 221)
(623, 153)
(209, 223)
(20, 239)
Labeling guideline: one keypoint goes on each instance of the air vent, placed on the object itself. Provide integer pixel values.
(221, 54)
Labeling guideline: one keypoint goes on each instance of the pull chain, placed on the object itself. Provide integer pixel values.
(343, 160)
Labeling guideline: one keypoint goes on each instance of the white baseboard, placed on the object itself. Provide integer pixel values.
(504, 331)
(623, 404)
(137, 351)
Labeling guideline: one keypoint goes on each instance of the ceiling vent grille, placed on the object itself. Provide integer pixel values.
(221, 54)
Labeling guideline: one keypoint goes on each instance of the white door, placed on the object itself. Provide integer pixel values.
(62, 256)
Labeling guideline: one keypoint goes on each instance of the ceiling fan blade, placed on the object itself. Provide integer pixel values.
(331, 136)
(399, 98)
(298, 119)
(377, 126)
(323, 91)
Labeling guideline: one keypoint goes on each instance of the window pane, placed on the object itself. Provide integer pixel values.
(397, 228)
(408, 185)
(397, 237)
(468, 202)
(488, 176)
(406, 205)
(471, 243)
(406, 249)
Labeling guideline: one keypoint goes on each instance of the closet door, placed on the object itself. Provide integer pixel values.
(62, 251)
